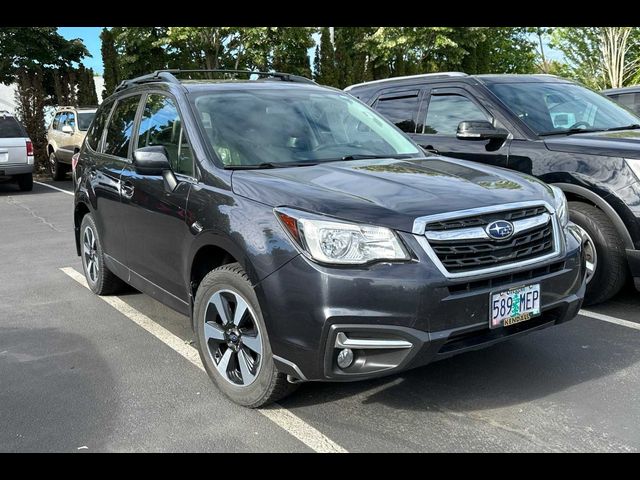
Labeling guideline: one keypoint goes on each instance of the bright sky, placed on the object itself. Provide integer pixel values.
(91, 38)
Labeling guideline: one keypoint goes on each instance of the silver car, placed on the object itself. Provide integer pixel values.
(16, 152)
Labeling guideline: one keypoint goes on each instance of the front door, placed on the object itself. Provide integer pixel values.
(445, 109)
(155, 224)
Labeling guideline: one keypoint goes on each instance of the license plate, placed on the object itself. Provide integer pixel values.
(514, 306)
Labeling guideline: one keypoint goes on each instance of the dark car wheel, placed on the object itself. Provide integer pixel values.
(25, 182)
(232, 339)
(100, 279)
(607, 267)
(56, 169)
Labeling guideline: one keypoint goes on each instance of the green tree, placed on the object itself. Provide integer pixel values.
(111, 72)
(27, 57)
(290, 50)
(327, 72)
(86, 95)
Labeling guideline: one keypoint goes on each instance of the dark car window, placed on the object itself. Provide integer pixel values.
(120, 127)
(71, 120)
(94, 134)
(630, 101)
(161, 125)
(56, 121)
(84, 120)
(445, 112)
(11, 128)
(400, 109)
(552, 108)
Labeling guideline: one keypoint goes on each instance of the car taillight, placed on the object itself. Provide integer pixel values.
(29, 148)
(74, 161)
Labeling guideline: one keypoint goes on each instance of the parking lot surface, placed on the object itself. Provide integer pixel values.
(78, 373)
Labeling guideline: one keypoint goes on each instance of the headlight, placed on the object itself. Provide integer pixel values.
(560, 204)
(337, 242)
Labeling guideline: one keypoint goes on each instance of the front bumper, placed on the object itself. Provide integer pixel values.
(306, 306)
(15, 169)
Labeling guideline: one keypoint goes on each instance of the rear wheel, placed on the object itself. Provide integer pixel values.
(25, 182)
(99, 278)
(56, 169)
(607, 267)
(232, 339)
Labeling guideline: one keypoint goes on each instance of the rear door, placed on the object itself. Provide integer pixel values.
(154, 221)
(13, 142)
(444, 109)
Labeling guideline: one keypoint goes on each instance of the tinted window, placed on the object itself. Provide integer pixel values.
(445, 112)
(161, 125)
(56, 121)
(10, 128)
(71, 120)
(95, 130)
(550, 108)
(120, 127)
(629, 100)
(84, 120)
(401, 110)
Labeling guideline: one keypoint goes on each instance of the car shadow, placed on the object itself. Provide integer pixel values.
(510, 373)
(55, 392)
(8, 187)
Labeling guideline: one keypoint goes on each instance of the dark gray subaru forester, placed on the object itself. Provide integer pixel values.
(307, 237)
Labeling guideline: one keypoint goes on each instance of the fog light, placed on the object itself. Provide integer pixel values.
(345, 358)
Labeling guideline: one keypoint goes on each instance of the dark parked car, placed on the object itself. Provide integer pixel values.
(542, 125)
(628, 97)
(307, 237)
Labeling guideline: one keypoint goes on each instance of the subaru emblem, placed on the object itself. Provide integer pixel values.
(499, 230)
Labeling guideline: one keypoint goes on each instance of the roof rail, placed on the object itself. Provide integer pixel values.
(169, 75)
(424, 75)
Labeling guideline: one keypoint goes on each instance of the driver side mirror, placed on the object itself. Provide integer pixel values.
(480, 130)
(154, 160)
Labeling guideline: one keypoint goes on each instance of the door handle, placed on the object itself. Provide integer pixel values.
(127, 189)
(430, 149)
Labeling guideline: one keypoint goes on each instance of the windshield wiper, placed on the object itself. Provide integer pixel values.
(265, 165)
(633, 126)
(571, 131)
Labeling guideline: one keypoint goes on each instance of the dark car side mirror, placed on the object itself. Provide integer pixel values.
(480, 130)
(154, 160)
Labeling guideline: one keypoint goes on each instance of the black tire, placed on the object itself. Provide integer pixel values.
(58, 171)
(269, 384)
(101, 281)
(611, 269)
(25, 182)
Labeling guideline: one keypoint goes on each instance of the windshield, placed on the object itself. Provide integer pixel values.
(553, 108)
(303, 127)
(84, 120)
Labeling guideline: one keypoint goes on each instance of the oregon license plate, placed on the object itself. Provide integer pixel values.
(514, 305)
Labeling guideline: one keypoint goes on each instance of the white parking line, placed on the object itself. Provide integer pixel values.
(282, 417)
(55, 188)
(607, 318)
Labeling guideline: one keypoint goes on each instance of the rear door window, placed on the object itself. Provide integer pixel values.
(94, 135)
(401, 108)
(120, 127)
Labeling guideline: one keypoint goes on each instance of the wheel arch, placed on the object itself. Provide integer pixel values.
(576, 192)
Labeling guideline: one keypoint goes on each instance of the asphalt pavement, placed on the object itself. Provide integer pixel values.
(79, 374)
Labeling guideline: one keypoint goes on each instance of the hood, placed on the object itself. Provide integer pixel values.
(390, 193)
(623, 143)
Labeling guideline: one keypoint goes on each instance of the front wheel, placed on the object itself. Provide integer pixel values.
(232, 339)
(56, 169)
(605, 254)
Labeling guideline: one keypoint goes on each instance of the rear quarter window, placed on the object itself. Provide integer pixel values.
(11, 128)
(94, 134)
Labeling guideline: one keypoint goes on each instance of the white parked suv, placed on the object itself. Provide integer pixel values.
(16, 152)
(65, 136)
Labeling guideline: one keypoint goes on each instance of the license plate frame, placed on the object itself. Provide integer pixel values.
(501, 320)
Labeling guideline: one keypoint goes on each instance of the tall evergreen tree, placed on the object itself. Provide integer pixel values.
(326, 68)
(110, 61)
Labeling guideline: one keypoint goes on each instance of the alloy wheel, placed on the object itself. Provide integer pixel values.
(590, 253)
(90, 254)
(233, 337)
(53, 166)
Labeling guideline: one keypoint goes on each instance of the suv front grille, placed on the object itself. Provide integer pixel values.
(463, 247)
